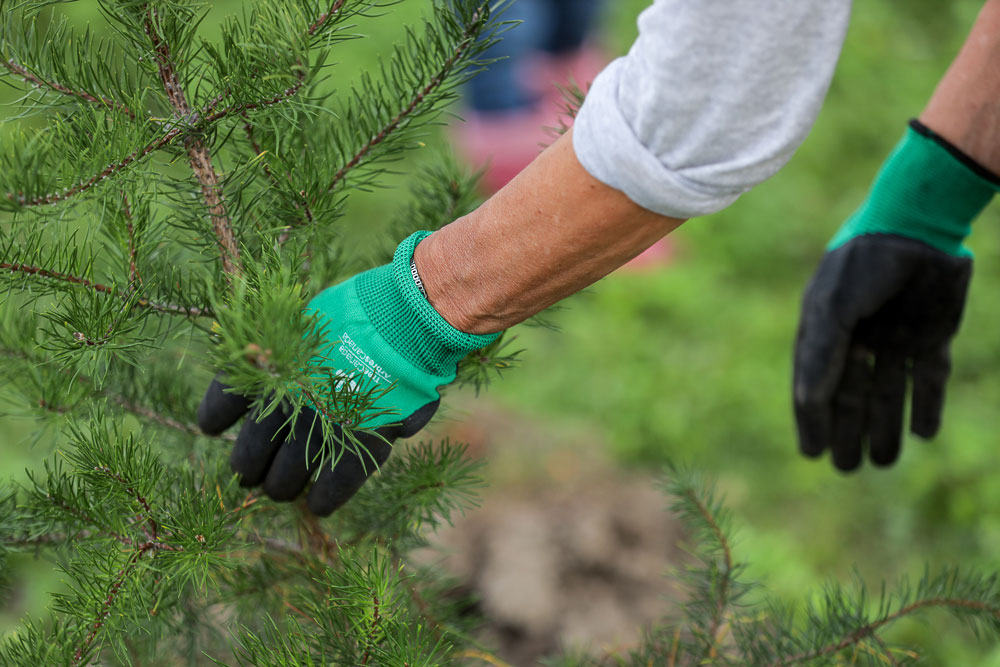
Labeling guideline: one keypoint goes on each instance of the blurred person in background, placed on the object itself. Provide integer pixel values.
(511, 102)
(712, 99)
(513, 106)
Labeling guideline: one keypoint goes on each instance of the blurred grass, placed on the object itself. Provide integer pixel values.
(692, 362)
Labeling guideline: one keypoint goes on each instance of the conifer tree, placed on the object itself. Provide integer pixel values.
(167, 206)
(170, 206)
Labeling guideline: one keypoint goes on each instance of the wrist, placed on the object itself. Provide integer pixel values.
(927, 190)
(449, 293)
(402, 315)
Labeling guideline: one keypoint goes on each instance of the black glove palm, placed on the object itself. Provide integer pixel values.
(885, 302)
(880, 310)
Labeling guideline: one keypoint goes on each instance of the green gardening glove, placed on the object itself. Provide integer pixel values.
(383, 334)
(885, 302)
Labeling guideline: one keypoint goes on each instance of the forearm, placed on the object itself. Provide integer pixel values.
(965, 107)
(707, 104)
(549, 233)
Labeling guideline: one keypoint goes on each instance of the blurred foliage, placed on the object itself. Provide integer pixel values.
(692, 362)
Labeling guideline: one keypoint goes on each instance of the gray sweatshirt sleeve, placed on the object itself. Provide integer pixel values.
(712, 99)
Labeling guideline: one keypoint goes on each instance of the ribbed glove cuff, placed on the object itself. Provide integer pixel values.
(407, 321)
(927, 190)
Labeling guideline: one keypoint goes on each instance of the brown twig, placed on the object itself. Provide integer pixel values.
(166, 308)
(436, 81)
(153, 528)
(109, 170)
(721, 600)
(113, 592)
(376, 619)
(198, 154)
(318, 538)
(241, 109)
(27, 75)
(47, 539)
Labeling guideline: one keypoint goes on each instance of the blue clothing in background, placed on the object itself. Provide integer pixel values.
(552, 27)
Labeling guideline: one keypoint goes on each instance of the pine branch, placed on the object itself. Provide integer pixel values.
(722, 598)
(169, 309)
(89, 520)
(868, 630)
(240, 109)
(108, 171)
(153, 528)
(198, 154)
(125, 404)
(109, 601)
(302, 205)
(284, 95)
(370, 641)
(27, 75)
(436, 81)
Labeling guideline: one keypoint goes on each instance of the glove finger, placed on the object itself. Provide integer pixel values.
(849, 410)
(220, 409)
(256, 446)
(336, 485)
(930, 373)
(820, 351)
(297, 458)
(887, 401)
(819, 361)
(814, 426)
(409, 426)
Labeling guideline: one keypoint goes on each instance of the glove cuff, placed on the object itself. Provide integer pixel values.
(927, 190)
(407, 321)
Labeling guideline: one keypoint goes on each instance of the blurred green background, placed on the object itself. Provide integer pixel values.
(691, 362)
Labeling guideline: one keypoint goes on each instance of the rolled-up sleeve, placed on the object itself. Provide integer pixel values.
(713, 98)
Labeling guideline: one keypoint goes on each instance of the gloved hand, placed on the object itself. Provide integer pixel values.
(885, 302)
(383, 333)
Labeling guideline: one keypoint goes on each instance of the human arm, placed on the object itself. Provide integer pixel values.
(553, 230)
(709, 102)
(888, 296)
(965, 106)
(566, 221)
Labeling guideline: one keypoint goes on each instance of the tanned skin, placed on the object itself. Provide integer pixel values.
(555, 229)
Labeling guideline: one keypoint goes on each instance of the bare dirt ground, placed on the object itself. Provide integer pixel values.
(567, 551)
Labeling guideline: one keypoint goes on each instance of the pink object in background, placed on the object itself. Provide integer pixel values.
(503, 143)
(657, 255)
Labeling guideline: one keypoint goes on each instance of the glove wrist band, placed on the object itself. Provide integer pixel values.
(404, 317)
(926, 190)
(956, 152)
